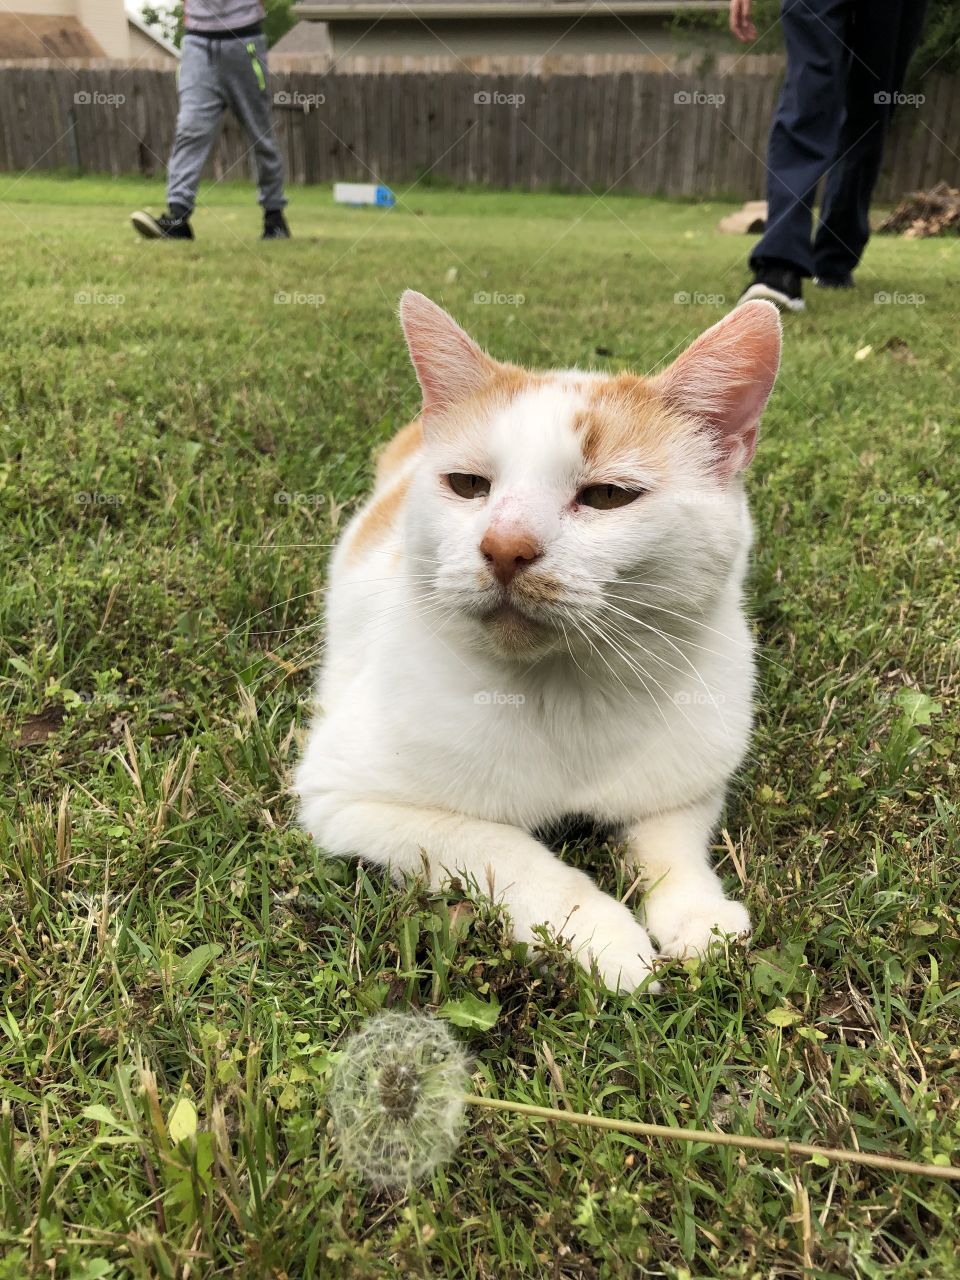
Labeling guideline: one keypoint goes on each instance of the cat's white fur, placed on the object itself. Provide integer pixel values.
(612, 677)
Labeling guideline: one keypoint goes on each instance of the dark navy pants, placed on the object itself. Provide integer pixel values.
(846, 61)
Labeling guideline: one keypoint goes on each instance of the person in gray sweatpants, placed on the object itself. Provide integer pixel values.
(223, 64)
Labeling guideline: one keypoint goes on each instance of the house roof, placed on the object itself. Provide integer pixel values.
(414, 10)
(41, 35)
(304, 37)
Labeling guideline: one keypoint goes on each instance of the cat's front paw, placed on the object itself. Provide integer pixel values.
(606, 933)
(691, 928)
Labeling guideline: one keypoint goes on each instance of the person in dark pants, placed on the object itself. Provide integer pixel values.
(846, 61)
(223, 64)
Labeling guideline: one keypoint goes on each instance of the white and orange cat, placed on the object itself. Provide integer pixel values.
(538, 613)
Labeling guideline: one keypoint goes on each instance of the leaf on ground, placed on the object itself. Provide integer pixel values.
(36, 729)
(471, 1013)
(191, 968)
(459, 917)
(923, 928)
(182, 1120)
(917, 707)
(96, 1111)
(289, 1097)
(776, 968)
(783, 1017)
(96, 1269)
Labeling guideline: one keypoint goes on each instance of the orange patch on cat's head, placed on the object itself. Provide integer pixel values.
(378, 520)
(505, 383)
(624, 416)
(397, 451)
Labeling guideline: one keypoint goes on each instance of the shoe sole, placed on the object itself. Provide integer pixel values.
(765, 292)
(146, 225)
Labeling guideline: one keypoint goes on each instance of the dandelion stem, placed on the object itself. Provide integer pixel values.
(781, 1146)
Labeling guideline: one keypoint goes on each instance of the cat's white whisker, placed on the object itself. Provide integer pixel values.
(253, 617)
(712, 698)
(637, 582)
(301, 629)
(569, 648)
(308, 658)
(675, 698)
(694, 622)
(740, 643)
(633, 667)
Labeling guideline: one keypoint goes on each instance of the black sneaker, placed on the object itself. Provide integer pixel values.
(834, 282)
(782, 285)
(166, 227)
(275, 226)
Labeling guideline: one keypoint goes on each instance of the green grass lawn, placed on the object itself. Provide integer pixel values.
(175, 455)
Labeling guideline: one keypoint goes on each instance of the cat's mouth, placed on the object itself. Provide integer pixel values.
(511, 610)
(507, 614)
(513, 628)
(519, 619)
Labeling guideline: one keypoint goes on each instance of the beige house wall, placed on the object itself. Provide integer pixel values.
(58, 8)
(142, 46)
(106, 20)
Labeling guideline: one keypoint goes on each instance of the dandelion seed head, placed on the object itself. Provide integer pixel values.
(397, 1098)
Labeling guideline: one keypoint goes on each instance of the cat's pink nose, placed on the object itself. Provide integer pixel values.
(507, 551)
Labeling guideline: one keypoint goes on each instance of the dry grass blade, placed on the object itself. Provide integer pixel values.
(779, 1146)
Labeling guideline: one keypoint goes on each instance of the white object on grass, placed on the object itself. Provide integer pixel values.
(359, 193)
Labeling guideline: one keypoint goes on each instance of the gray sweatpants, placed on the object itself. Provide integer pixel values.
(214, 75)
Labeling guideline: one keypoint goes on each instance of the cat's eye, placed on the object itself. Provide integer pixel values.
(604, 497)
(465, 486)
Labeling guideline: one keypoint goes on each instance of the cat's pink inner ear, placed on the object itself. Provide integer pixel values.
(725, 378)
(450, 366)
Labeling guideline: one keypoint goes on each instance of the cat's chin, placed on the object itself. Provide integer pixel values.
(513, 633)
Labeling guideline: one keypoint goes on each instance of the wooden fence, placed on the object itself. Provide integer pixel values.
(697, 135)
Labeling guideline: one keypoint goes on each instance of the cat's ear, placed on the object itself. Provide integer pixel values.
(449, 364)
(725, 378)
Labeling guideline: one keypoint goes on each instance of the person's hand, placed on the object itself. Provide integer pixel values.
(741, 24)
